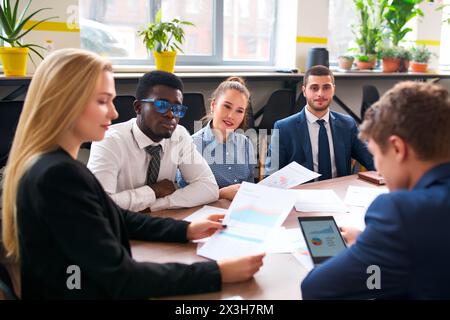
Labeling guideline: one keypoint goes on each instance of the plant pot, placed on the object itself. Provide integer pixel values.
(165, 60)
(365, 65)
(419, 67)
(14, 61)
(404, 65)
(345, 63)
(391, 64)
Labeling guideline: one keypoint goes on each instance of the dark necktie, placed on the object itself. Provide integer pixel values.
(324, 152)
(153, 165)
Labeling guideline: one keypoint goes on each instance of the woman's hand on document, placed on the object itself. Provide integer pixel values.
(205, 228)
(240, 269)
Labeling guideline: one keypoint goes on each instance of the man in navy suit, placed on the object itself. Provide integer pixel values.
(404, 251)
(317, 138)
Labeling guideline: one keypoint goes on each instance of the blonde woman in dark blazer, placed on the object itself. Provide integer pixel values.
(56, 216)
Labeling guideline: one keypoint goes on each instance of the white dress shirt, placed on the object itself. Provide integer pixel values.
(313, 129)
(120, 163)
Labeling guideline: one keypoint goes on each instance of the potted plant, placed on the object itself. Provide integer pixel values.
(368, 30)
(391, 60)
(164, 39)
(420, 58)
(346, 61)
(405, 57)
(366, 62)
(14, 57)
(397, 16)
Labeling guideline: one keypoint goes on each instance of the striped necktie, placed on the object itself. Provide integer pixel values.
(154, 164)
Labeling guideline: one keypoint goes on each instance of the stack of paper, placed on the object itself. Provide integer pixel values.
(204, 213)
(255, 213)
(362, 196)
(290, 176)
(318, 201)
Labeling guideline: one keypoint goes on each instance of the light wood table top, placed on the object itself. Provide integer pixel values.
(280, 276)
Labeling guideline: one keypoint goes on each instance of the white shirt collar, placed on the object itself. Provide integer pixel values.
(142, 140)
(312, 118)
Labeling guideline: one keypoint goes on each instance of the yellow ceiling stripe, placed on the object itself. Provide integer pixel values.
(54, 26)
(312, 40)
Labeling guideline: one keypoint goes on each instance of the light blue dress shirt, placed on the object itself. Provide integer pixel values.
(231, 162)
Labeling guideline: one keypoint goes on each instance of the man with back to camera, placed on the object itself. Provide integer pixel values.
(137, 160)
(404, 250)
(319, 139)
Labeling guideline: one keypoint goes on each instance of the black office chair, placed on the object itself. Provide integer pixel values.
(250, 120)
(300, 103)
(281, 104)
(370, 96)
(9, 117)
(124, 106)
(196, 110)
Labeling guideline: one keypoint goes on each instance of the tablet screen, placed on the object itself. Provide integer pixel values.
(323, 237)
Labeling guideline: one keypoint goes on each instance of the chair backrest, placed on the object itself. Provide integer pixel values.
(196, 109)
(250, 124)
(370, 96)
(281, 104)
(124, 106)
(9, 117)
(300, 103)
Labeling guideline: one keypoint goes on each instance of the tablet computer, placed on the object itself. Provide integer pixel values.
(322, 237)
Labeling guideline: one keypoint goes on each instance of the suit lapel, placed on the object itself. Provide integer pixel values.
(338, 144)
(303, 132)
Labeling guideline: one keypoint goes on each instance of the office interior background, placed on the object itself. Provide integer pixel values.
(233, 36)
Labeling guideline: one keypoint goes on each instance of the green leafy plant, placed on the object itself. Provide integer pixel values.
(404, 53)
(421, 54)
(13, 24)
(368, 30)
(389, 52)
(397, 16)
(347, 57)
(447, 16)
(164, 36)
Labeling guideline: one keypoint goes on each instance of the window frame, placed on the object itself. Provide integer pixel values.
(216, 58)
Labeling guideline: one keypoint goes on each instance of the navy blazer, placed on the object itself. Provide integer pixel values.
(294, 144)
(407, 236)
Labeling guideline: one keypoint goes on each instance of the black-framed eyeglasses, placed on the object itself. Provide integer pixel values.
(163, 106)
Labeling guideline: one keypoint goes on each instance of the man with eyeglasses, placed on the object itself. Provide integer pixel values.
(317, 138)
(137, 161)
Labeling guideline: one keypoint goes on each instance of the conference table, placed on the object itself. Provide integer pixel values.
(280, 276)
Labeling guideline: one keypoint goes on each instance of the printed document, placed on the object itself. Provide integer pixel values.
(254, 214)
(290, 176)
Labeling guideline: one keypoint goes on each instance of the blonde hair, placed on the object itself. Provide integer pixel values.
(232, 83)
(58, 93)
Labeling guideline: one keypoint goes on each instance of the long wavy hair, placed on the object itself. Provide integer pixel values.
(58, 93)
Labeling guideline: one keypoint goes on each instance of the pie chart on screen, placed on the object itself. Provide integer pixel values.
(316, 241)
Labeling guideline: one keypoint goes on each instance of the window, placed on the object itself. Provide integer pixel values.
(341, 17)
(445, 36)
(226, 31)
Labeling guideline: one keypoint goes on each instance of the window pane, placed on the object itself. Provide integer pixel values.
(248, 29)
(198, 39)
(109, 27)
(445, 36)
(342, 15)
